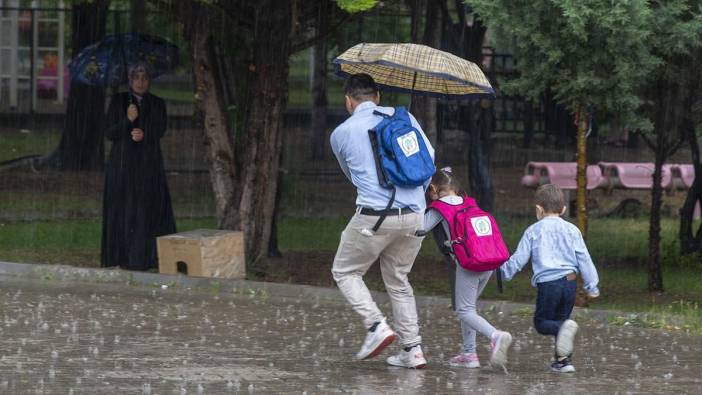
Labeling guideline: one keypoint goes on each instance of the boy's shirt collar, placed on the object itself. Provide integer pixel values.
(363, 106)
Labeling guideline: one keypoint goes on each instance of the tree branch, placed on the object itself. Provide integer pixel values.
(297, 47)
(237, 13)
(675, 147)
(648, 141)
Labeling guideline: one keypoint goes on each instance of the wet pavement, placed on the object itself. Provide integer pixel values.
(69, 337)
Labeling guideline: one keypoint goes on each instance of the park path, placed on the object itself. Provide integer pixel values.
(77, 337)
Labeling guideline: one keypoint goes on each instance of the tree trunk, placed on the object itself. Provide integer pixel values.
(672, 111)
(210, 107)
(655, 274)
(689, 243)
(269, 89)
(273, 248)
(423, 107)
(581, 176)
(81, 147)
(479, 154)
(418, 7)
(319, 88)
(478, 117)
(667, 113)
(581, 191)
(138, 16)
(528, 124)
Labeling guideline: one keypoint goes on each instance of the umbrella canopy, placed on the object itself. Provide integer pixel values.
(105, 63)
(416, 69)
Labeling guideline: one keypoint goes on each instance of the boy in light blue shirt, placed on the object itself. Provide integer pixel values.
(558, 253)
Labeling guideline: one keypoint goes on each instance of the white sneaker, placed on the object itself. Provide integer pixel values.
(563, 366)
(499, 346)
(376, 341)
(413, 359)
(564, 340)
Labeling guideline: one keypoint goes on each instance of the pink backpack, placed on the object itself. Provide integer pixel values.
(476, 240)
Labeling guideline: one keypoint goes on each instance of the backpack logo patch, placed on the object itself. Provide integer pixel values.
(408, 143)
(481, 226)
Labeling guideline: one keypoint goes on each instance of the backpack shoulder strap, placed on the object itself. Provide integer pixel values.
(382, 114)
(470, 202)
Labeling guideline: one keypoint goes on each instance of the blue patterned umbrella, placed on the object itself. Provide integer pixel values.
(105, 63)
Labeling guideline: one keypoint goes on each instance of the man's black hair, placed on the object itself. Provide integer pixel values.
(360, 87)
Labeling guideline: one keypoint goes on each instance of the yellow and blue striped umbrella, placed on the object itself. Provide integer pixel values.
(416, 69)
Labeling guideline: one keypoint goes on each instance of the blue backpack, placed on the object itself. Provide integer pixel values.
(401, 155)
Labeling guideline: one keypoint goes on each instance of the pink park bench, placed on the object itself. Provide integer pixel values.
(610, 175)
(560, 173)
(684, 173)
(633, 175)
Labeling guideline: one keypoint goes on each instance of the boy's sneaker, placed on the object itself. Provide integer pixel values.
(564, 340)
(376, 341)
(413, 359)
(467, 360)
(498, 348)
(563, 366)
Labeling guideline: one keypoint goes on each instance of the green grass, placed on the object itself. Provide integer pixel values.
(59, 204)
(609, 239)
(174, 94)
(623, 285)
(74, 242)
(16, 144)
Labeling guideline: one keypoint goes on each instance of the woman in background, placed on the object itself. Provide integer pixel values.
(136, 202)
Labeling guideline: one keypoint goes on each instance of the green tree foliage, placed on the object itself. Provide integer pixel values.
(590, 53)
(670, 96)
(353, 6)
(610, 56)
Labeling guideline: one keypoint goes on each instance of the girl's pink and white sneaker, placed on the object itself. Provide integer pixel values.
(467, 360)
(499, 346)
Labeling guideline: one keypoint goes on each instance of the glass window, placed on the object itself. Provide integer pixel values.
(5, 61)
(47, 62)
(23, 63)
(5, 30)
(48, 34)
(24, 27)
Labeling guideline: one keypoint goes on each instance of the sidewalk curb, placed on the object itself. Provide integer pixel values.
(64, 273)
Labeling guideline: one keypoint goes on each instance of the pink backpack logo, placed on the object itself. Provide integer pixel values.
(476, 240)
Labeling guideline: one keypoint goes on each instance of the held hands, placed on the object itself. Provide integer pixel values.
(137, 134)
(593, 295)
(132, 112)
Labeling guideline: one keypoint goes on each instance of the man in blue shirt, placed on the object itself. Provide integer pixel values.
(394, 243)
(558, 253)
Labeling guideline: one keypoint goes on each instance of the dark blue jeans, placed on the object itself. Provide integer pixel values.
(554, 303)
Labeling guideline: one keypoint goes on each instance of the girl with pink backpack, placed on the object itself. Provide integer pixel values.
(473, 242)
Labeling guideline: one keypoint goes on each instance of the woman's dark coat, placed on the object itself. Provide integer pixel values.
(136, 202)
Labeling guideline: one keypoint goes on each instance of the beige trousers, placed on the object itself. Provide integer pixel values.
(396, 246)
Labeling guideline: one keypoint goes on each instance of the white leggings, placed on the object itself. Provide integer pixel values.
(469, 286)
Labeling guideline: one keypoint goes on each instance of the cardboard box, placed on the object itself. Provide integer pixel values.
(203, 253)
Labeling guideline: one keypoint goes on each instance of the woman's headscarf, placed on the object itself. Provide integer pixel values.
(139, 67)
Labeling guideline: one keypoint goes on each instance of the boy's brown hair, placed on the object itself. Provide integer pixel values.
(550, 198)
